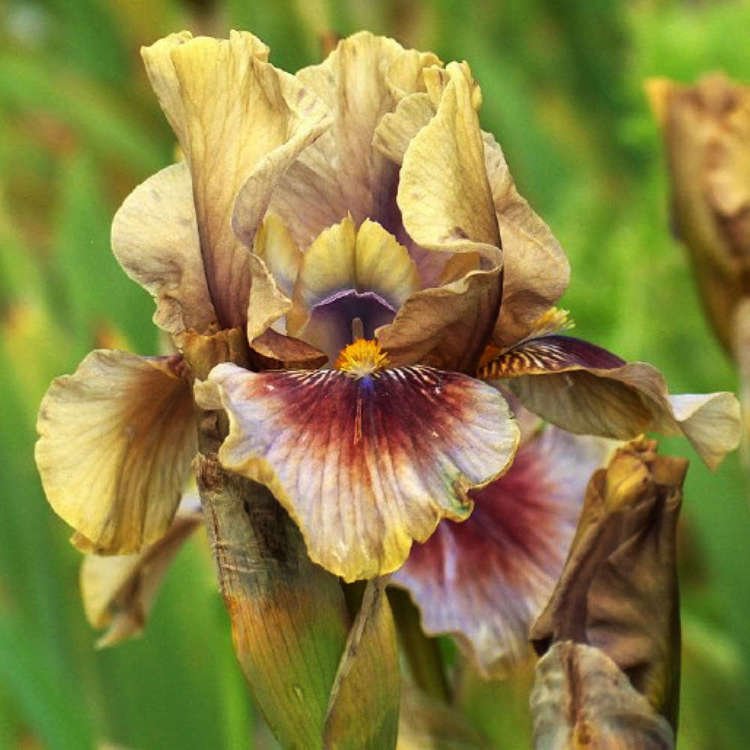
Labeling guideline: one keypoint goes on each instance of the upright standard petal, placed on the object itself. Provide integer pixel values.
(445, 200)
(116, 441)
(155, 239)
(535, 268)
(587, 390)
(341, 173)
(241, 123)
(487, 579)
(365, 461)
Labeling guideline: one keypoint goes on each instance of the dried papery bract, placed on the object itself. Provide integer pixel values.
(582, 700)
(618, 590)
(706, 132)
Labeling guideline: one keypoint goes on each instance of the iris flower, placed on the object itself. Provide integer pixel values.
(329, 261)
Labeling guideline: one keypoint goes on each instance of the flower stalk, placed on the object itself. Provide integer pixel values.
(289, 618)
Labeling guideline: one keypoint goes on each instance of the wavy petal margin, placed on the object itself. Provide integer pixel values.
(536, 270)
(155, 240)
(587, 390)
(364, 466)
(119, 590)
(241, 123)
(487, 579)
(446, 203)
(341, 173)
(116, 441)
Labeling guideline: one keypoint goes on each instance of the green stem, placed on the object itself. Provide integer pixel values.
(422, 652)
(289, 618)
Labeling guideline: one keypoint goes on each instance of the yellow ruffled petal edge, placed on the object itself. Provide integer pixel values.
(115, 443)
(364, 465)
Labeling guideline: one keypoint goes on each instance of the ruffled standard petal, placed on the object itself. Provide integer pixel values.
(364, 465)
(116, 441)
(119, 590)
(587, 390)
(487, 579)
(447, 207)
(155, 240)
(536, 270)
(341, 173)
(348, 273)
(241, 123)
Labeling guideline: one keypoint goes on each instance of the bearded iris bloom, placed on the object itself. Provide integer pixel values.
(330, 260)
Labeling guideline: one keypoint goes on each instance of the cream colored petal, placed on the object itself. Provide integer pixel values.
(397, 129)
(447, 206)
(363, 465)
(161, 74)
(710, 421)
(266, 302)
(443, 193)
(535, 268)
(240, 123)
(445, 327)
(274, 244)
(361, 81)
(155, 240)
(119, 590)
(116, 441)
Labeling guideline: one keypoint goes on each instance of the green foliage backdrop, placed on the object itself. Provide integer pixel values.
(562, 87)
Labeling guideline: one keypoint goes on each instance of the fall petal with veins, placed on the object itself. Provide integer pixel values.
(155, 240)
(367, 465)
(486, 579)
(586, 389)
(116, 441)
(241, 123)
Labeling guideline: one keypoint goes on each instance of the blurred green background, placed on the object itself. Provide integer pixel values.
(79, 128)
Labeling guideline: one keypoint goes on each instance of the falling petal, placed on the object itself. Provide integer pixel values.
(587, 390)
(487, 579)
(119, 590)
(116, 441)
(364, 464)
